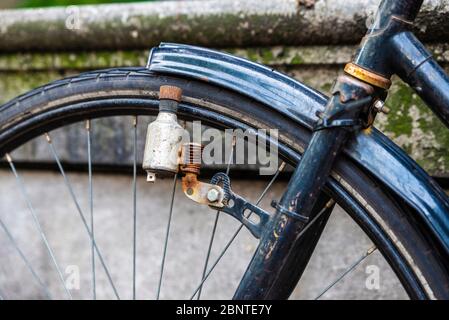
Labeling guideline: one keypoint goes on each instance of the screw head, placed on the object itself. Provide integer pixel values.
(212, 195)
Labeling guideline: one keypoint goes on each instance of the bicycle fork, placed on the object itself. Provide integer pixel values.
(281, 249)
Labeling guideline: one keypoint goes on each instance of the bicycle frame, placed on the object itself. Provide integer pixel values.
(389, 48)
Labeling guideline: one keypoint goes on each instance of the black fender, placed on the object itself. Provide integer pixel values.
(372, 150)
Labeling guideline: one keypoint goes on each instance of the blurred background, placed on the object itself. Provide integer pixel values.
(309, 40)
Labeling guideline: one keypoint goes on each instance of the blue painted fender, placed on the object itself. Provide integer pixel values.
(374, 152)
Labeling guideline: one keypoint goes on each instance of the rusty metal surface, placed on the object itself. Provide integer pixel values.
(198, 191)
(367, 76)
(170, 93)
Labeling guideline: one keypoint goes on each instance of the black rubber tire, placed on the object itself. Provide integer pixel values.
(419, 263)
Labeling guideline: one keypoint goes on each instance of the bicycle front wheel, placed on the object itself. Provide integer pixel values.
(134, 92)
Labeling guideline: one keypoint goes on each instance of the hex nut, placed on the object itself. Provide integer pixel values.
(212, 195)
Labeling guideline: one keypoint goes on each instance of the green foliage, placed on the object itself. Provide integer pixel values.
(50, 3)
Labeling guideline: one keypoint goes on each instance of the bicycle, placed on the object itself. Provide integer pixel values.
(339, 158)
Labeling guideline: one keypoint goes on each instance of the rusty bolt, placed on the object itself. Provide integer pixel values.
(212, 195)
(170, 93)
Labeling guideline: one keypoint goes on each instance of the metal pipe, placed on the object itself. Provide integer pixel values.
(392, 18)
(241, 24)
(405, 9)
(415, 65)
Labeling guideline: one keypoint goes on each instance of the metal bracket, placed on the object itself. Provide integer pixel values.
(203, 193)
(218, 195)
(336, 119)
(240, 208)
(351, 105)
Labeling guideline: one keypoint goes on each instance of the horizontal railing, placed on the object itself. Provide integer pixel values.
(217, 23)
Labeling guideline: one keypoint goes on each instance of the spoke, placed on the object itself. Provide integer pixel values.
(91, 207)
(167, 234)
(350, 269)
(25, 260)
(80, 212)
(214, 228)
(134, 206)
(38, 224)
(234, 236)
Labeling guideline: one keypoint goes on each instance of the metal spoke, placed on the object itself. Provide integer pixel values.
(217, 216)
(38, 224)
(25, 260)
(347, 271)
(167, 234)
(134, 206)
(91, 207)
(80, 212)
(234, 236)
